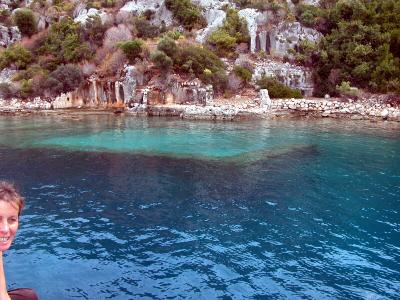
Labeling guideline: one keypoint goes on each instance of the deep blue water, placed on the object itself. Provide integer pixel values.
(131, 208)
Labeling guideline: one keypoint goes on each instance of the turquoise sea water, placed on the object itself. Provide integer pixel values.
(131, 208)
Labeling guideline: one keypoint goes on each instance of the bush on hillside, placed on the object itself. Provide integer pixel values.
(16, 56)
(112, 63)
(224, 43)
(132, 49)
(231, 33)
(161, 60)
(243, 73)
(93, 31)
(64, 79)
(145, 29)
(115, 35)
(64, 44)
(26, 21)
(187, 13)
(168, 46)
(196, 60)
(277, 89)
(7, 91)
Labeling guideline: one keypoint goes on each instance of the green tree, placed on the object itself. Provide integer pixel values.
(168, 46)
(277, 89)
(187, 13)
(26, 21)
(64, 43)
(64, 79)
(16, 56)
(161, 60)
(132, 49)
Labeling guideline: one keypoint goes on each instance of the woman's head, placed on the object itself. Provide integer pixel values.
(11, 204)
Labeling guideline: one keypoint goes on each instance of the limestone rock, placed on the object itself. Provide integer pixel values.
(251, 15)
(9, 35)
(161, 13)
(265, 100)
(6, 75)
(215, 18)
(129, 83)
(286, 35)
(213, 4)
(384, 114)
(84, 15)
(291, 75)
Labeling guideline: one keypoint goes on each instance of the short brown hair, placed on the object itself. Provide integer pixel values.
(9, 193)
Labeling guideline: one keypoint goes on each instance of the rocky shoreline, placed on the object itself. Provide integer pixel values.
(238, 108)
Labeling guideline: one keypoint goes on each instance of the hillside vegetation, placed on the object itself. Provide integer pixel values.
(360, 46)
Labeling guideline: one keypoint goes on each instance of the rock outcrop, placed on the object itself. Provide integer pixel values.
(287, 35)
(161, 13)
(291, 75)
(9, 35)
(83, 14)
(6, 75)
(265, 101)
(215, 18)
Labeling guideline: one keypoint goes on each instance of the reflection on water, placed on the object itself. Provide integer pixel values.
(301, 210)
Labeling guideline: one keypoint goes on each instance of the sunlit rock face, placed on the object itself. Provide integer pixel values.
(252, 17)
(6, 75)
(291, 75)
(190, 92)
(287, 35)
(161, 13)
(215, 18)
(9, 35)
(213, 4)
(129, 82)
(311, 2)
(82, 15)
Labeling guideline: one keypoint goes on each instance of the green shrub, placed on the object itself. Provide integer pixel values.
(7, 91)
(64, 79)
(93, 31)
(232, 32)
(175, 35)
(30, 72)
(145, 29)
(346, 89)
(243, 73)
(223, 42)
(161, 60)
(200, 62)
(168, 46)
(64, 43)
(25, 20)
(188, 14)
(16, 56)
(277, 89)
(132, 49)
(5, 17)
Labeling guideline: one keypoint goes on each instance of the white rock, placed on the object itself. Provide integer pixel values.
(251, 15)
(162, 14)
(384, 113)
(265, 100)
(84, 15)
(215, 18)
(9, 35)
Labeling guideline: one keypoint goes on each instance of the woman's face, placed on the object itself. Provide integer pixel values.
(8, 224)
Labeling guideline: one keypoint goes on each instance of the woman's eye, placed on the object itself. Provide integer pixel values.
(13, 220)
